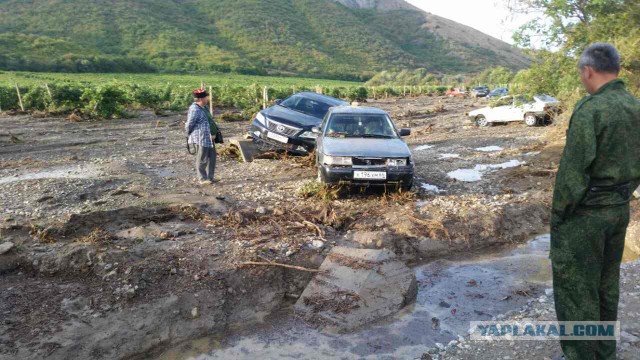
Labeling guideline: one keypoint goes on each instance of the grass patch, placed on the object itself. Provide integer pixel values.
(316, 190)
(98, 236)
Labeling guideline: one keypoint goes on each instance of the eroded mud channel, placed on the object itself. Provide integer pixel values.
(111, 250)
(451, 293)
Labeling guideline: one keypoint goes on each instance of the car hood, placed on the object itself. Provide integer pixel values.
(290, 117)
(360, 147)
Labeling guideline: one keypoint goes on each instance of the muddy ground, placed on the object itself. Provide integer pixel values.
(119, 253)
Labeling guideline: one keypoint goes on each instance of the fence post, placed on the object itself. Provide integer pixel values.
(19, 97)
(211, 100)
(48, 91)
(201, 85)
(265, 97)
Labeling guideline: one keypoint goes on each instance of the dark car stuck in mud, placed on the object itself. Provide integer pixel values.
(287, 125)
(362, 146)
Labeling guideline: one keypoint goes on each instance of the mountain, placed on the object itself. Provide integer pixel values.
(349, 39)
(384, 5)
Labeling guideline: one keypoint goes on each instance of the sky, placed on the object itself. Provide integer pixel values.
(489, 16)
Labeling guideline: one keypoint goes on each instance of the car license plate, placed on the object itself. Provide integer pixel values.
(370, 175)
(276, 137)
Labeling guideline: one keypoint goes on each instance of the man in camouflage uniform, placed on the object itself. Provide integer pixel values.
(598, 172)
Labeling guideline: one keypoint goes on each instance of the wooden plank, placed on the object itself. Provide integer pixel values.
(247, 148)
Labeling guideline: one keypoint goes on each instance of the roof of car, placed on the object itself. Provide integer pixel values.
(325, 98)
(356, 110)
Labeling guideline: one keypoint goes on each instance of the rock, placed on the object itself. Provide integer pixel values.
(261, 210)
(633, 237)
(358, 286)
(430, 247)
(370, 239)
(9, 262)
(317, 244)
(75, 306)
(435, 323)
(5, 247)
(194, 312)
(548, 292)
(44, 198)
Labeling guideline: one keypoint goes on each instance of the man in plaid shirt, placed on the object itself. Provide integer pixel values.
(198, 127)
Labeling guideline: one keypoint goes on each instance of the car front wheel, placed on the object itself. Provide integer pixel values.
(406, 187)
(482, 121)
(530, 120)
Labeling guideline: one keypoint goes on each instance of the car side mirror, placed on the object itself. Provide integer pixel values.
(315, 130)
(277, 101)
(405, 132)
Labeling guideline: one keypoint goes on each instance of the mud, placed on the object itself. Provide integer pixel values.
(120, 254)
(451, 292)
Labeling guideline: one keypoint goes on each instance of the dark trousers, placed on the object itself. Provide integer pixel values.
(205, 162)
(586, 251)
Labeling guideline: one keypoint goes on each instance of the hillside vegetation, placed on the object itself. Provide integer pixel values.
(571, 27)
(320, 38)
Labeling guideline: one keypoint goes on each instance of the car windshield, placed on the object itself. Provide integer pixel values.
(361, 125)
(307, 106)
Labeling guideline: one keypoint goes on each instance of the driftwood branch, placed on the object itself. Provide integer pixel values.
(258, 263)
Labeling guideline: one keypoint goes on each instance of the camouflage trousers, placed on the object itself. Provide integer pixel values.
(586, 252)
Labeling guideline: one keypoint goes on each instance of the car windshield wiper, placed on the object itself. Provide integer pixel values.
(380, 136)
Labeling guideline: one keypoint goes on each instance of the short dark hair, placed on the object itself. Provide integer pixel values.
(602, 57)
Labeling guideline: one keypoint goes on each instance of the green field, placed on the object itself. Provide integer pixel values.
(113, 95)
(9, 78)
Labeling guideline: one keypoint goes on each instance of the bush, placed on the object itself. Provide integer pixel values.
(358, 94)
(145, 96)
(8, 98)
(36, 98)
(105, 101)
(65, 97)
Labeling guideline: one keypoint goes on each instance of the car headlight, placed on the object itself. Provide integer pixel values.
(261, 119)
(309, 135)
(337, 160)
(396, 162)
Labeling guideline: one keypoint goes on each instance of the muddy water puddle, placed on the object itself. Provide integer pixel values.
(451, 294)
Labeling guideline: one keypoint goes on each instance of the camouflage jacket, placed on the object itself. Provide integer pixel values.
(602, 152)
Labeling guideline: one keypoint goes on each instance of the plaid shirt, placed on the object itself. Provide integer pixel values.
(198, 125)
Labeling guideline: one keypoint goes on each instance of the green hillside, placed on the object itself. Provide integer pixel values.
(320, 38)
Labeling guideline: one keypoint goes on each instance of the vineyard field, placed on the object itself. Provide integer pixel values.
(112, 95)
(190, 80)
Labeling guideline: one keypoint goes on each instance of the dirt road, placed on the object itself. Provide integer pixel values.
(118, 253)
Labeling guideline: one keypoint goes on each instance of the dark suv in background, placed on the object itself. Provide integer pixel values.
(287, 125)
(480, 91)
